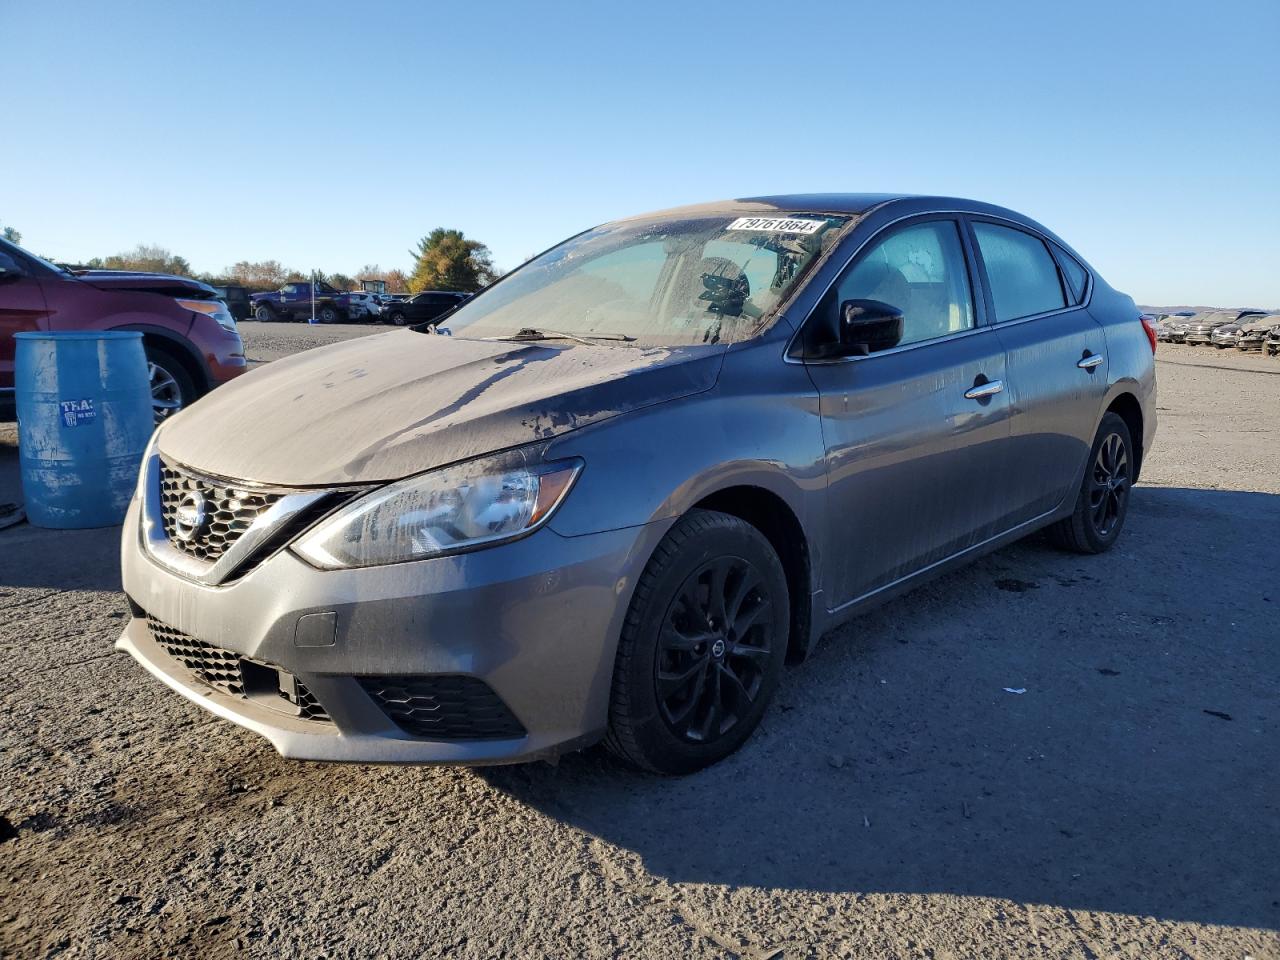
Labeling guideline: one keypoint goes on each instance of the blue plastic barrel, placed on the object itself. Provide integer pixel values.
(84, 419)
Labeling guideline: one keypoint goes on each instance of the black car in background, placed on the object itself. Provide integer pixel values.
(236, 298)
(422, 307)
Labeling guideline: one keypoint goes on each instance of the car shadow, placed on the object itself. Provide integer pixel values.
(1099, 733)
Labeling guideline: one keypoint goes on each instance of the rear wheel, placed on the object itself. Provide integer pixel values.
(172, 388)
(328, 315)
(264, 314)
(702, 647)
(1103, 500)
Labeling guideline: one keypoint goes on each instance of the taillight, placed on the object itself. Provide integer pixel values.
(1148, 326)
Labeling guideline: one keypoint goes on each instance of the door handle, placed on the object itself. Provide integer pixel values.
(1090, 360)
(980, 391)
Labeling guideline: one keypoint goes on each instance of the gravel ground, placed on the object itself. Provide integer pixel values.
(898, 802)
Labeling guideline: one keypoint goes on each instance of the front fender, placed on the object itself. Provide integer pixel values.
(759, 426)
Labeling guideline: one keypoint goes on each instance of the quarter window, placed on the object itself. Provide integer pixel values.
(1075, 275)
(919, 269)
(1023, 277)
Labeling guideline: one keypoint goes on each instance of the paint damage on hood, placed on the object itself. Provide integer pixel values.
(387, 406)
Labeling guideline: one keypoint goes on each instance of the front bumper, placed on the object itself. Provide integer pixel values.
(537, 620)
(1197, 338)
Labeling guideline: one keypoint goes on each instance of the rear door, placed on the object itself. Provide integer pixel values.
(1056, 361)
(915, 435)
(22, 309)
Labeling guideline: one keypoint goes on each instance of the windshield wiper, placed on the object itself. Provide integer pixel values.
(529, 333)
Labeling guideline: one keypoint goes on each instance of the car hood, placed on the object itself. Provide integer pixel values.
(387, 406)
(147, 283)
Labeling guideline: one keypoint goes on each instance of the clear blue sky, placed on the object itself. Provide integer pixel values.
(332, 135)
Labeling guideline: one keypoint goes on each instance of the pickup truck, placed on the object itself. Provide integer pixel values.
(293, 302)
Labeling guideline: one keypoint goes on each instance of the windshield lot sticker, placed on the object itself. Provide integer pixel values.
(777, 224)
(76, 412)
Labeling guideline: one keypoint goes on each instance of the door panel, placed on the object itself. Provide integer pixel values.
(22, 308)
(1056, 364)
(1055, 405)
(914, 467)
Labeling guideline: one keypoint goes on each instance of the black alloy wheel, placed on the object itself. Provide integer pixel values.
(714, 649)
(702, 645)
(1109, 484)
(1102, 502)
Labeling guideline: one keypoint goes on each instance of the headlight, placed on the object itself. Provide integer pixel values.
(212, 308)
(138, 492)
(468, 505)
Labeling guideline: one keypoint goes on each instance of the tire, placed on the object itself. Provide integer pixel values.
(1101, 503)
(671, 624)
(396, 318)
(328, 315)
(264, 314)
(172, 388)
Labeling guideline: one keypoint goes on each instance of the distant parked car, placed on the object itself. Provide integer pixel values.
(362, 305)
(293, 301)
(1175, 328)
(1200, 328)
(1254, 330)
(1226, 335)
(236, 298)
(1271, 346)
(422, 307)
(188, 334)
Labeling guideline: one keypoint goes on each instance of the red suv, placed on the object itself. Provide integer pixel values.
(190, 337)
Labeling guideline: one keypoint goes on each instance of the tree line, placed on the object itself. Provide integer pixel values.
(445, 259)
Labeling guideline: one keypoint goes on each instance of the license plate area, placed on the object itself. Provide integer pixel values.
(270, 687)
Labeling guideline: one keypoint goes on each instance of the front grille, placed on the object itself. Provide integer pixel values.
(444, 707)
(228, 511)
(226, 671)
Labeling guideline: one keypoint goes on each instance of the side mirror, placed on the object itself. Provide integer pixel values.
(867, 326)
(10, 269)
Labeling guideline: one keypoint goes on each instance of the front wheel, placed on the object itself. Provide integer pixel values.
(171, 386)
(702, 647)
(397, 318)
(1103, 500)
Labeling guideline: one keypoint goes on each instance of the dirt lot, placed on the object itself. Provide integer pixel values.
(897, 802)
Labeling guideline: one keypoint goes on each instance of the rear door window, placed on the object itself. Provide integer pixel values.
(1020, 270)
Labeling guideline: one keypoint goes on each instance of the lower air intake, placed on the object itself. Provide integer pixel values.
(444, 707)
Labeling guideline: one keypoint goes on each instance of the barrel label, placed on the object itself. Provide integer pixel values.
(76, 412)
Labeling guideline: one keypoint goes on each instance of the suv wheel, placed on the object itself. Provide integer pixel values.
(263, 313)
(702, 646)
(1103, 501)
(396, 317)
(171, 386)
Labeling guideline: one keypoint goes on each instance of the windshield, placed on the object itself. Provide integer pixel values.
(673, 281)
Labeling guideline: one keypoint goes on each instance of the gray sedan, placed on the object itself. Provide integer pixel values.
(614, 493)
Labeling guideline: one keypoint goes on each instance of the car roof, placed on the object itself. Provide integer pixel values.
(848, 204)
